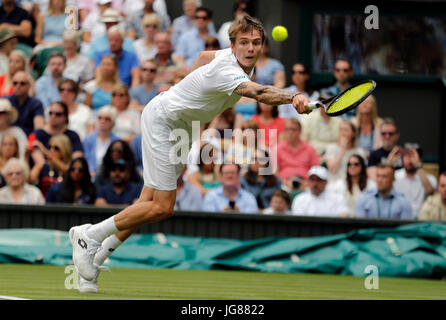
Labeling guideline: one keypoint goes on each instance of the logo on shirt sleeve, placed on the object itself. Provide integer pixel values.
(239, 77)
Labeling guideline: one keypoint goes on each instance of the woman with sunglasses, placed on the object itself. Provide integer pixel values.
(9, 148)
(79, 115)
(18, 61)
(50, 165)
(355, 181)
(76, 187)
(127, 124)
(145, 48)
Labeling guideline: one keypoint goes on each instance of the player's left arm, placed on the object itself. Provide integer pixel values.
(272, 95)
(204, 58)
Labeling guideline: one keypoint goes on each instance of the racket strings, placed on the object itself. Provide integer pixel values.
(349, 98)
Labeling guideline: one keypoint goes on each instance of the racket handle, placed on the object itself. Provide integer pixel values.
(315, 104)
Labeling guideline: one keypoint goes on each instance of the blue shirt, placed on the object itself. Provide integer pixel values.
(101, 44)
(44, 137)
(181, 25)
(89, 145)
(190, 44)
(370, 204)
(136, 147)
(31, 108)
(46, 90)
(265, 75)
(215, 201)
(260, 191)
(126, 62)
(130, 194)
(54, 195)
(189, 199)
(143, 96)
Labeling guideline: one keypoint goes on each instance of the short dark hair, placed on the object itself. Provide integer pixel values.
(282, 194)
(225, 164)
(208, 11)
(71, 82)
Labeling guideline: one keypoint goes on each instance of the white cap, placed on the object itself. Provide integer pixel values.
(318, 171)
(103, 1)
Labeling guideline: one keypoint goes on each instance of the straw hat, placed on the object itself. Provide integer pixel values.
(5, 106)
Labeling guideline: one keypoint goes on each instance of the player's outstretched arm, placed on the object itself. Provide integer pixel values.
(273, 96)
(204, 58)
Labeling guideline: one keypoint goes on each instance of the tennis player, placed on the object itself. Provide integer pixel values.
(217, 81)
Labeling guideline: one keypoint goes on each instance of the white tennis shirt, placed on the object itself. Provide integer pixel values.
(207, 91)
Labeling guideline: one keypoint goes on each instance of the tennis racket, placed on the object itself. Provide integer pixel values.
(347, 100)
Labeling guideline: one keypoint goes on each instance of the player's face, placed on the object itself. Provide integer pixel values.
(247, 48)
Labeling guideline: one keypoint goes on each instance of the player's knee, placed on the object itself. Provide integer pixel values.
(163, 210)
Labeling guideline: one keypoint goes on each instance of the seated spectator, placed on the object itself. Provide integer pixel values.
(8, 42)
(168, 64)
(76, 187)
(320, 130)
(127, 124)
(343, 72)
(50, 164)
(79, 115)
(192, 42)
(188, 197)
(384, 202)
(79, 66)
(390, 152)
(230, 197)
(211, 43)
(17, 19)
(318, 201)
(147, 90)
(260, 184)
(368, 123)
(134, 26)
(207, 177)
(50, 25)
(280, 203)
(46, 86)
(434, 207)
(239, 7)
(118, 149)
(98, 91)
(9, 148)
(110, 18)
(17, 191)
(355, 182)
(120, 190)
(18, 61)
(337, 154)
(145, 47)
(415, 183)
(269, 71)
(58, 124)
(301, 83)
(31, 115)
(272, 126)
(95, 144)
(228, 119)
(294, 156)
(186, 22)
(8, 115)
(128, 66)
(93, 27)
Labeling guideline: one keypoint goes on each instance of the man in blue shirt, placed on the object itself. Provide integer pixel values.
(192, 42)
(128, 66)
(384, 202)
(120, 190)
(47, 85)
(230, 197)
(343, 72)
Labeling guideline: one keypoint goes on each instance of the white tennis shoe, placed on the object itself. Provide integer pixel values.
(84, 249)
(86, 286)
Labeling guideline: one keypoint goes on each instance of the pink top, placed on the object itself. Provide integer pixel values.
(296, 162)
(278, 124)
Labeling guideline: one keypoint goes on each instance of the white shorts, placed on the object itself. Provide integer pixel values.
(165, 146)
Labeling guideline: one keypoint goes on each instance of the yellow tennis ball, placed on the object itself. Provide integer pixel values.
(280, 33)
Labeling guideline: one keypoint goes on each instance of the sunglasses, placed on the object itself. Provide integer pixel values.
(104, 118)
(388, 133)
(117, 150)
(201, 18)
(152, 70)
(22, 83)
(211, 45)
(119, 95)
(80, 170)
(57, 114)
(54, 147)
(151, 26)
(356, 164)
(120, 168)
(339, 70)
(66, 89)
(299, 72)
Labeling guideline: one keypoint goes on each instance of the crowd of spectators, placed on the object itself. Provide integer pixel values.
(71, 100)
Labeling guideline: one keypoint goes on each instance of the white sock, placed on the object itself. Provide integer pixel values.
(102, 230)
(108, 246)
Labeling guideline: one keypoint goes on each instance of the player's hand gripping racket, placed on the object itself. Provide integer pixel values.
(346, 100)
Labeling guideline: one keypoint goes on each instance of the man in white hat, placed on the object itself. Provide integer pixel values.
(9, 115)
(318, 201)
(110, 18)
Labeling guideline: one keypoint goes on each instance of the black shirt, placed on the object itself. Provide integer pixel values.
(16, 17)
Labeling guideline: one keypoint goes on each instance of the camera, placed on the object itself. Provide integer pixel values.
(296, 182)
(232, 204)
